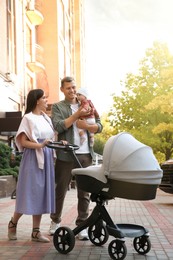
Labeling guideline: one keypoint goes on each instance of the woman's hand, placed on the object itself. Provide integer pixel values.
(46, 141)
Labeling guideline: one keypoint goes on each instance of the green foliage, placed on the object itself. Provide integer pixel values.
(98, 145)
(101, 138)
(8, 165)
(5, 153)
(145, 107)
(8, 171)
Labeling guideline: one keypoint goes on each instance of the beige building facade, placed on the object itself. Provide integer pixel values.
(41, 42)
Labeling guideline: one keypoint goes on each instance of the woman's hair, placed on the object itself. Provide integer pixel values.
(32, 97)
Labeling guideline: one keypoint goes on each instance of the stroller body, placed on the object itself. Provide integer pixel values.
(129, 171)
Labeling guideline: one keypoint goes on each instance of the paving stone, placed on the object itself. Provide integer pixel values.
(155, 215)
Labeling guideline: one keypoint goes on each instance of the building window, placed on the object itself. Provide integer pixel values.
(65, 35)
(11, 36)
(61, 57)
(29, 83)
(29, 41)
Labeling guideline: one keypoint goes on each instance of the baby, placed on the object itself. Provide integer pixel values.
(82, 96)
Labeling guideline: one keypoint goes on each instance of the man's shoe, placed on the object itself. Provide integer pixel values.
(83, 235)
(53, 227)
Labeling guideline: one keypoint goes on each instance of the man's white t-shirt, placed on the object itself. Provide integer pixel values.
(84, 147)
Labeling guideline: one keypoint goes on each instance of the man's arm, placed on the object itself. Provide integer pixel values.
(95, 128)
(71, 119)
(62, 118)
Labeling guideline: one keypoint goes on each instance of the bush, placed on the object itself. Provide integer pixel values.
(99, 145)
(9, 164)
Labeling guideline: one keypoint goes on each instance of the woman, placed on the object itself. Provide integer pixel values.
(35, 187)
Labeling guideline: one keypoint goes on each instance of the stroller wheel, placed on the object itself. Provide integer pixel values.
(117, 249)
(64, 240)
(98, 234)
(142, 244)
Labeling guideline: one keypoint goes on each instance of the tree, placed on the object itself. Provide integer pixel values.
(145, 107)
(101, 138)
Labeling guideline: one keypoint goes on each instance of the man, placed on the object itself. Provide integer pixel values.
(65, 115)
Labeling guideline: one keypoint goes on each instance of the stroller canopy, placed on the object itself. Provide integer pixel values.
(129, 170)
(127, 159)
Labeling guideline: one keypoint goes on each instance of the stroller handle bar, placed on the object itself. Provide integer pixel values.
(66, 147)
(61, 145)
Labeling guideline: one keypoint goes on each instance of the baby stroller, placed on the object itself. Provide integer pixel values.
(129, 171)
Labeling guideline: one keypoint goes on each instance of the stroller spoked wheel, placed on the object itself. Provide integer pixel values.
(98, 234)
(117, 249)
(142, 244)
(64, 240)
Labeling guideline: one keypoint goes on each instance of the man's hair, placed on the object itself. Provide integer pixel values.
(66, 79)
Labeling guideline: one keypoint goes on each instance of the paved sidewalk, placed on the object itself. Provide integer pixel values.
(156, 215)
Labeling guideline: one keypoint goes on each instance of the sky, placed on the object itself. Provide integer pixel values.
(118, 33)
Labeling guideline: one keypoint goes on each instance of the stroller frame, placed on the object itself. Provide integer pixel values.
(100, 225)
